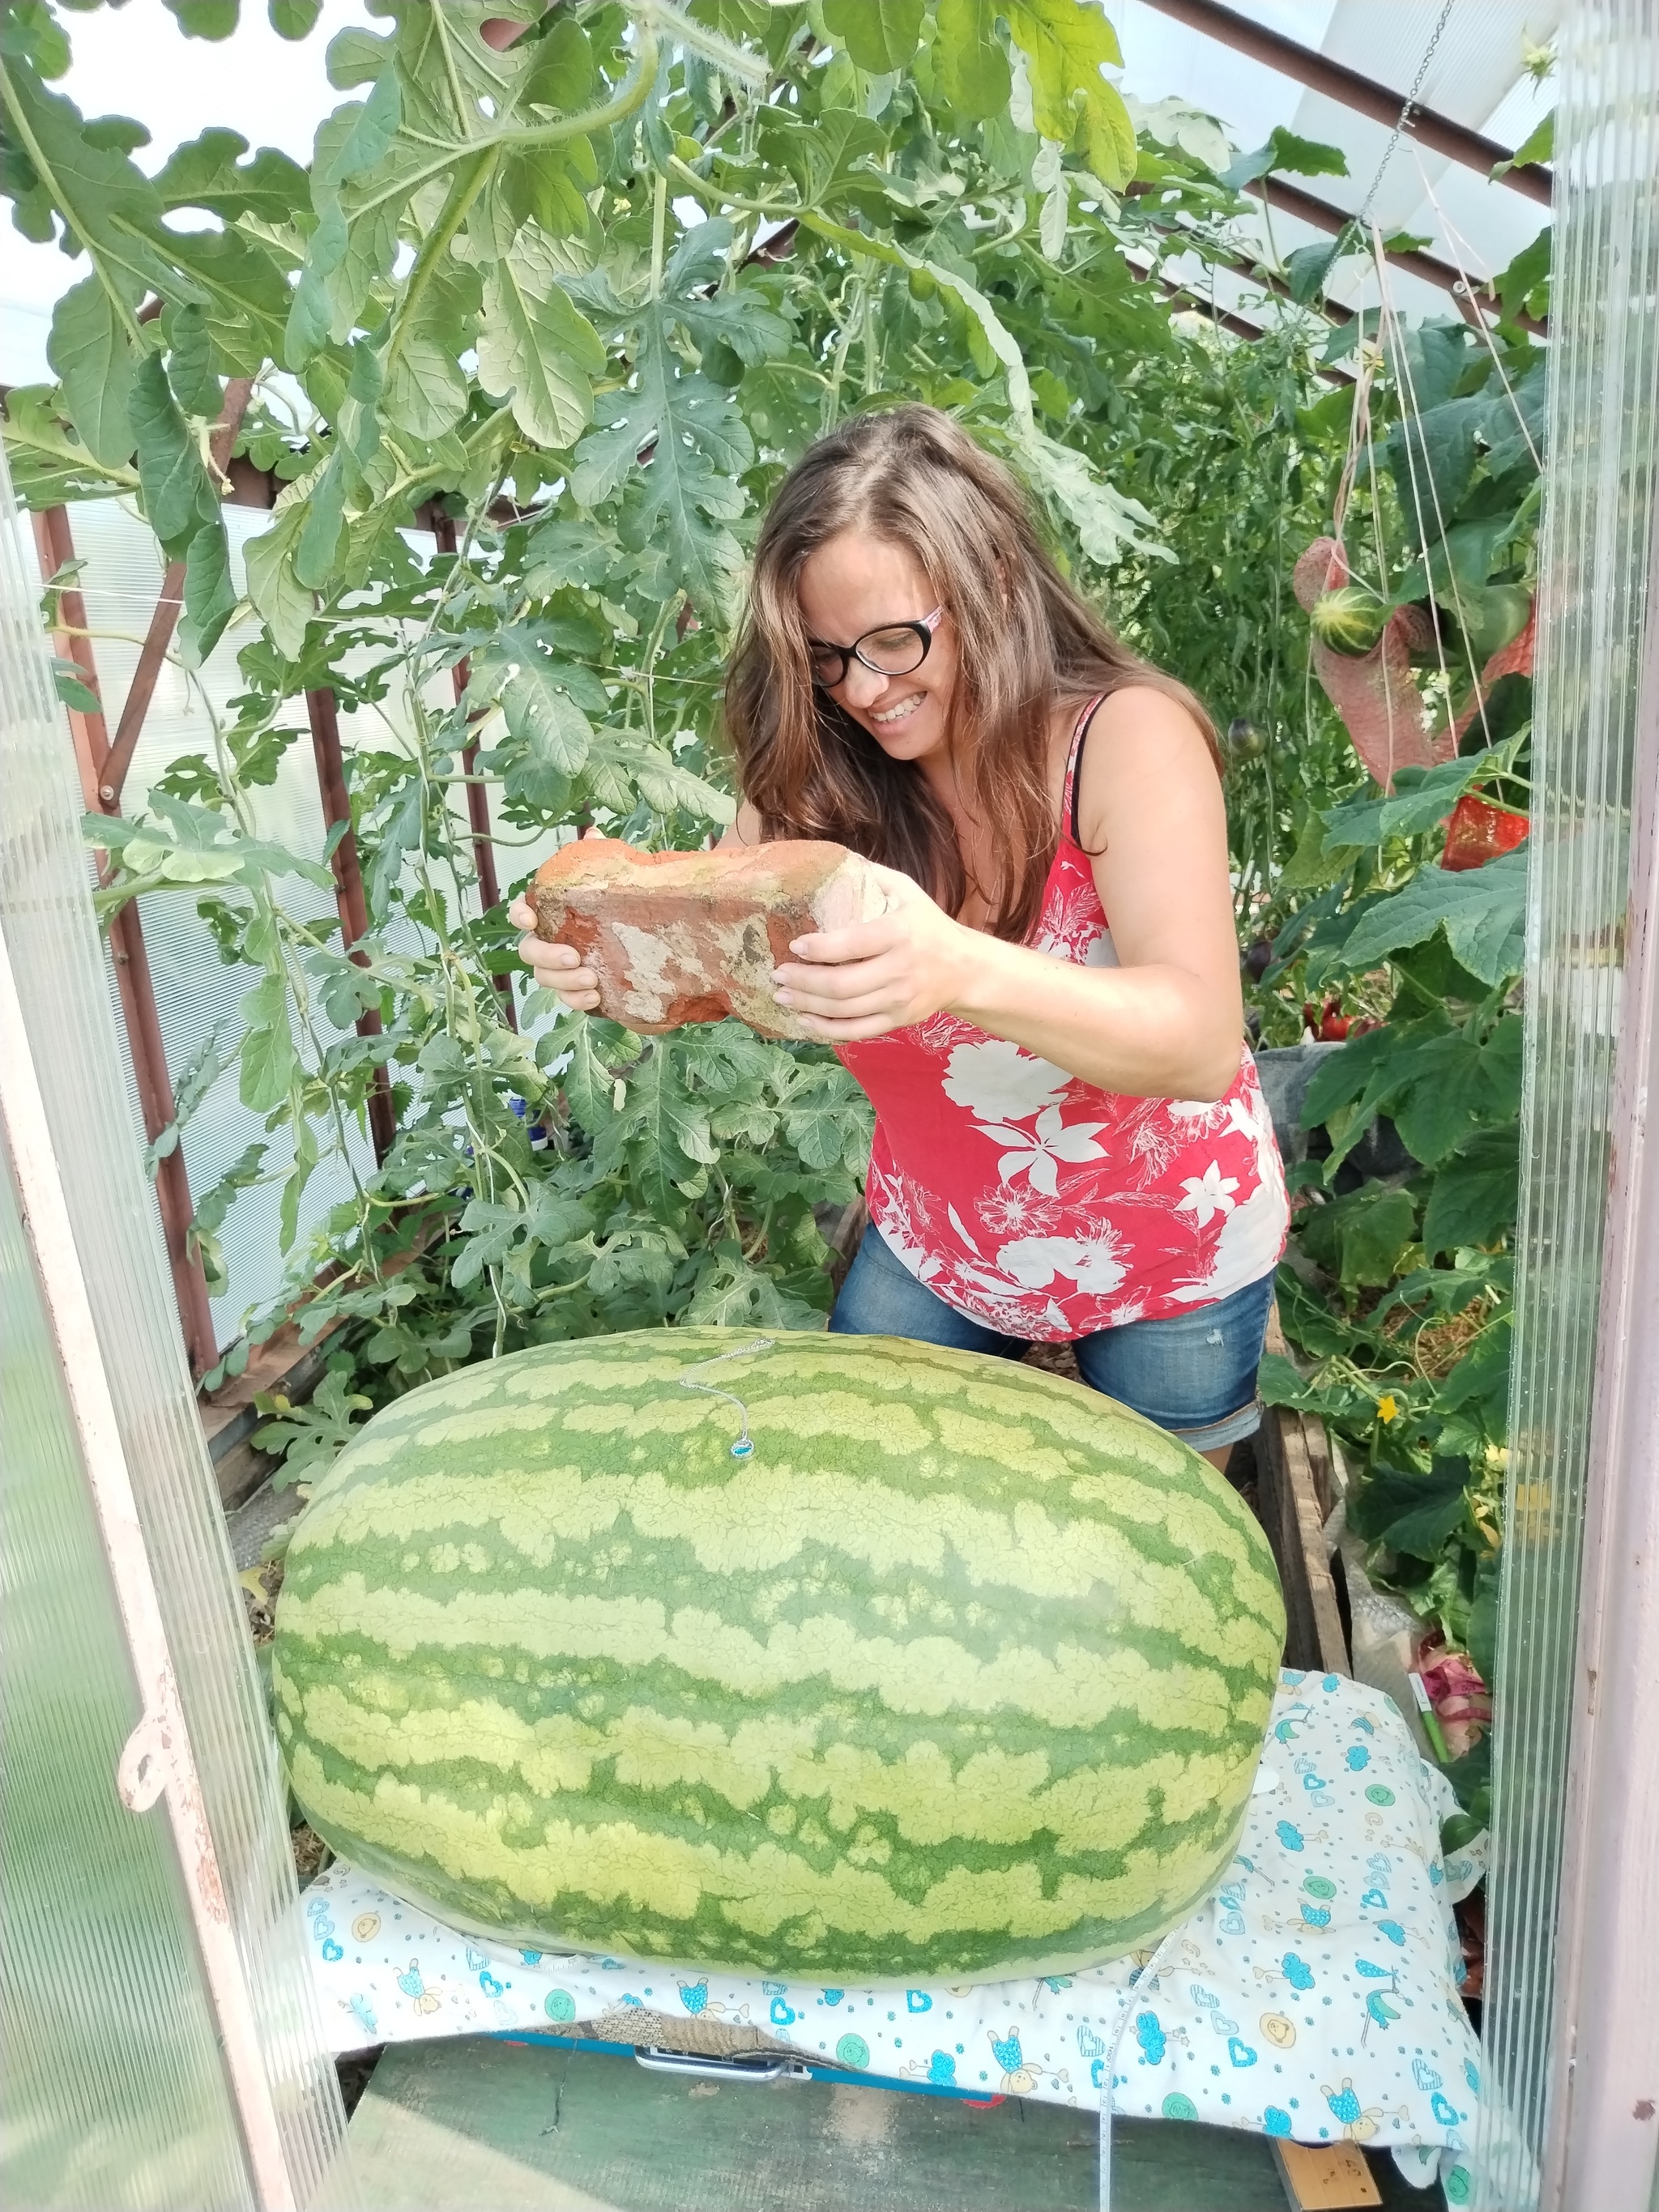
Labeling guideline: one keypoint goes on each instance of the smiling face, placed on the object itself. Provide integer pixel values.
(853, 583)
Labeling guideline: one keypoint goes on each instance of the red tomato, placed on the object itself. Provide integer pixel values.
(1334, 1029)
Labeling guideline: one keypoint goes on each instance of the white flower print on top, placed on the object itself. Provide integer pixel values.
(1192, 1189)
(1036, 1157)
(1093, 1264)
(1013, 1212)
(999, 1082)
(1210, 1194)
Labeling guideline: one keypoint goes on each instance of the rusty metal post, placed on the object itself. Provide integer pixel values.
(323, 714)
(133, 979)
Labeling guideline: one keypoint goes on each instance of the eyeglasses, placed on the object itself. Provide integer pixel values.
(893, 650)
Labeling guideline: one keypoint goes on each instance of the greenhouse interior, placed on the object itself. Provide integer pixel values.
(612, 608)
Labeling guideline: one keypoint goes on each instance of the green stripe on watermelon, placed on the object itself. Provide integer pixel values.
(966, 1672)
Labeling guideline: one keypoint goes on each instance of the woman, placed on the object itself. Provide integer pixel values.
(1071, 1143)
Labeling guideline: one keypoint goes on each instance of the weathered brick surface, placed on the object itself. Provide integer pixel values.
(692, 937)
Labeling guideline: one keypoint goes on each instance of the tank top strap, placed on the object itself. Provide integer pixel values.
(1068, 823)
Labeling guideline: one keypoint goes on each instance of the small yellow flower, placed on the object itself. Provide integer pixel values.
(1386, 1410)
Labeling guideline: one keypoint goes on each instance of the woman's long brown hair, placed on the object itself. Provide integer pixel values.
(1026, 645)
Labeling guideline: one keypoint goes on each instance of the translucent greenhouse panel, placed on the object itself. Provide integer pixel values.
(196, 993)
(162, 2044)
(1565, 2034)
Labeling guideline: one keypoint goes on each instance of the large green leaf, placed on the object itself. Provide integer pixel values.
(93, 356)
(1066, 44)
(269, 1057)
(1476, 1193)
(878, 34)
(1482, 911)
(1360, 1238)
(104, 200)
(973, 68)
(425, 392)
(178, 497)
(276, 593)
(1409, 1511)
(1286, 155)
(534, 344)
(208, 171)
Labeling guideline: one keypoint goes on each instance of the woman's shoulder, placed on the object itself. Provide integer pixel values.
(1140, 736)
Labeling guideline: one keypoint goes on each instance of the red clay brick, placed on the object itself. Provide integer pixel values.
(693, 937)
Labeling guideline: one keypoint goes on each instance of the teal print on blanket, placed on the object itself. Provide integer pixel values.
(1275, 2121)
(559, 2004)
(1149, 2034)
(942, 2069)
(693, 1996)
(853, 2051)
(1008, 2052)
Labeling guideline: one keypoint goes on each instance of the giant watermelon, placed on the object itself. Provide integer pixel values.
(964, 1673)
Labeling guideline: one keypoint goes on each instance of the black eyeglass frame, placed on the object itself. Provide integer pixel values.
(924, 628)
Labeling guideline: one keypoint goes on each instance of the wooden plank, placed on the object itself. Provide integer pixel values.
(474, 2125)
(1326, 2177)
(1295, 1453)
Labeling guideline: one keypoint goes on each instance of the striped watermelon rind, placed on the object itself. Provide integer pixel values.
(963, 1675)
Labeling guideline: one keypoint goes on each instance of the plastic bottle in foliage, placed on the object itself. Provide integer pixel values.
(1477, 831)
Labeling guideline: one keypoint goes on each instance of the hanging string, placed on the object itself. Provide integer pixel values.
(1394, 344)
(1453, 237)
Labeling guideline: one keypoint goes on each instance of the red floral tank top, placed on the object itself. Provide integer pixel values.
(1045, 1207)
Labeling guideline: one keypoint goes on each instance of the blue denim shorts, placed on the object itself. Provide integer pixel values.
(1193, 1374)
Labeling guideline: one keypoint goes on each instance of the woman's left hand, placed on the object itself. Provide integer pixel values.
(873, 976)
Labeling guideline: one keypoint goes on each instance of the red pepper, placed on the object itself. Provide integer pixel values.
(1477, 831)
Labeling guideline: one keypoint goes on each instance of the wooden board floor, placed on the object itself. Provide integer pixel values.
(474, 2125)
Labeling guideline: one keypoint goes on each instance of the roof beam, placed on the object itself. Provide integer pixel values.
(1324, 216)
(1362, 93)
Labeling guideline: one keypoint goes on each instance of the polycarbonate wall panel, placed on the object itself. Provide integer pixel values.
(113, 2091)
(1595, 590)
(111, 2039)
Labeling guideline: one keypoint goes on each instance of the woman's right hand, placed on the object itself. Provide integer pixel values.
(556, 967)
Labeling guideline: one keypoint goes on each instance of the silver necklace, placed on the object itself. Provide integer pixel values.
(744, 1446)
